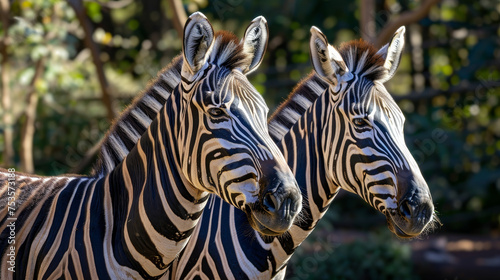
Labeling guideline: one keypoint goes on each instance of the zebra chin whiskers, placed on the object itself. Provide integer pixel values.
(432, 225)
(281, 238)
(303, 215)
(250, 234)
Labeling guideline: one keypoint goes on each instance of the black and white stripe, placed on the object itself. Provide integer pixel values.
(134, 121)
(325, 136)
(131, 221)
(346, 134)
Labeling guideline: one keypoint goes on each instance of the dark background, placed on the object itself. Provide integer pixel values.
(68, 68)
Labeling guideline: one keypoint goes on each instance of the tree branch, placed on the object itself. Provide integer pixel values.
(28, 130)
(367, 20)
(8, 154)
(107, 98)
(479, 89)
(87, 158)
(112, 5)
(404, 19)
(180, 16)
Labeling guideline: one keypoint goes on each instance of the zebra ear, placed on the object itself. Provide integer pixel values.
(392, 53)
(255, 42)
(327, 61)
(197, 42)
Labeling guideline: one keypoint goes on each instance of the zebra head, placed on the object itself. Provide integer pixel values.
(225, 145)
(367, 154)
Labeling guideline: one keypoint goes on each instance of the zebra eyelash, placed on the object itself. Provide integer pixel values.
(361, 123)
(216, 112)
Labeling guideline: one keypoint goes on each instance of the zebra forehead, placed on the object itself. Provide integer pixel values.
(385, 99)
(367, 97)
(230, 87)
(246, 97)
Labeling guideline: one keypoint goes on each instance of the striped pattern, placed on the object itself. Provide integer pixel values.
(134, 121)
(314, 129)
(326, 152)
(132, 218)
(224, 245)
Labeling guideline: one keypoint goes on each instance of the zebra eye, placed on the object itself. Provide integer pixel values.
(216, 112)
(360, 122)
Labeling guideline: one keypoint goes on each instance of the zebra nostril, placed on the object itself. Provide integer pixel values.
(406, 209)
(270, 202)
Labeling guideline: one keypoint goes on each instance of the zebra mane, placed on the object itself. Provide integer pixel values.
(136, 118)
(362, 60)
(228, 52)
(126, 130)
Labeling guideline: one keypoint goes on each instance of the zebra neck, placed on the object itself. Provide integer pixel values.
(135, 120)
(297, 103)
(154, 208)
(304, 149)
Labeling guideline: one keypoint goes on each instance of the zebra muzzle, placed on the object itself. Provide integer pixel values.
(276, 211)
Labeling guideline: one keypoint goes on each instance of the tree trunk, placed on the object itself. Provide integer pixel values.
(417, 58)
(28, 130)
(107, 98)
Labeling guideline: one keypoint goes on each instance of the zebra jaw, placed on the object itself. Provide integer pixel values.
(394, 228)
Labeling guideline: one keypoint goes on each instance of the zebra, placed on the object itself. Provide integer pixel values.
(312, 128)
(209, 136)
(339, 129)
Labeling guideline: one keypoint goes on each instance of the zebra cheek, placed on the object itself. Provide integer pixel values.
(391, 203)
(245, 195)
(241, 192)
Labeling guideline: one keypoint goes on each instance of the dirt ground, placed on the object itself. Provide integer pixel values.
(447, 256)
(457, 257)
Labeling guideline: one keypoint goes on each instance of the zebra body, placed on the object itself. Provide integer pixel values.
(84, 227)
(130, 222)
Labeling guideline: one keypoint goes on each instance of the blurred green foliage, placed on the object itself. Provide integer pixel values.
(49, 30)
(447, 86)
(375, 257)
